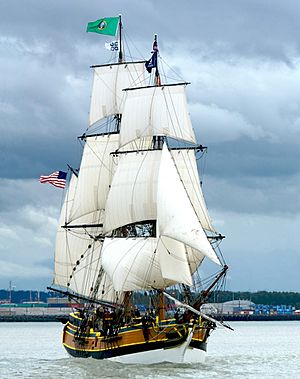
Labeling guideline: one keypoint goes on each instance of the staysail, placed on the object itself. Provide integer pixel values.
(176, 216)
(186, 167)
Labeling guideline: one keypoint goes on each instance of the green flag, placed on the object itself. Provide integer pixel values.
(106, 26)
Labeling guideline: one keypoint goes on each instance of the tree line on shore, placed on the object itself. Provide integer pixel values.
(259, 297)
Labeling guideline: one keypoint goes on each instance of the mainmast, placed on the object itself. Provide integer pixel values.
(150, 64)
(120, 40)
(157, 140)
(155, 51)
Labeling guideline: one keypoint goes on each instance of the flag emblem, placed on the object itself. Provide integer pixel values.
(102, 25)
(57, 179)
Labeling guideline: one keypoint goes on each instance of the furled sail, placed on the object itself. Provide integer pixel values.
(108, 84)
(176, 217)
(151, 111)
(94, 176)
(187, 169)
(144, 263)
(132, 197)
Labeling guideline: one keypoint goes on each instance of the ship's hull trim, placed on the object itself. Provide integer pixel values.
(173, 354)
(183, 353)
(187, 345)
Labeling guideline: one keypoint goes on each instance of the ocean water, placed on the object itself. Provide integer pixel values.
(254, 350)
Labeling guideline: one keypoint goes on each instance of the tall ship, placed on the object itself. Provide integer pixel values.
(134, 226)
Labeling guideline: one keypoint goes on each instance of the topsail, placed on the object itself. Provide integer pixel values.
(108, 84)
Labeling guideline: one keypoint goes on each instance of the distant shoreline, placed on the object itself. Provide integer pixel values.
(64, 318)
(34, 318)
(256, 317)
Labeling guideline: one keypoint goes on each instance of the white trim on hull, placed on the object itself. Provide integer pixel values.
(193, 355)
(173, 355)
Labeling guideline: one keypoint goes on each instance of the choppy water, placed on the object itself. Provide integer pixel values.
(254, 350)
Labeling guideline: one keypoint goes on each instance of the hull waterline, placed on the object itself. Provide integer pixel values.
(164, 342)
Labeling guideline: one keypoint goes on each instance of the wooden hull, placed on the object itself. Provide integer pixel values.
(136, 343)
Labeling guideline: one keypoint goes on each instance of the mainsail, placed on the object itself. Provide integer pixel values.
(145, 263)
(133, 192)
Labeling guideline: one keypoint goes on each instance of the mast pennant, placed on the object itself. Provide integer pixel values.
(107, 26)
(152, 62)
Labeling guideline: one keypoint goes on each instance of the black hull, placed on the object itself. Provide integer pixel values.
(121, 351)
(166, 338)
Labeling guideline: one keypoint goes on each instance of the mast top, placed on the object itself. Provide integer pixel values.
(120, 60)
(152, 62)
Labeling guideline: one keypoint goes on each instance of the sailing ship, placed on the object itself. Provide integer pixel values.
(134, 226)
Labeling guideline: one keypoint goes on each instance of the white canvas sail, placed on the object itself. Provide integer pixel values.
(77, 254)
(95, 175)
(108, 84)
(64, 260)
(150, 111)
(187, 169)
(173, 261)
(194, 257)
(132, 196)
(176, 217)
(142, 263)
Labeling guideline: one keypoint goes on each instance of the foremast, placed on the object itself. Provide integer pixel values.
(80, 233)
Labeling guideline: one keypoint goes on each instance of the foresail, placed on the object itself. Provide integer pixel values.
(176, 217)
(108, 84)
(151, 111)
(95, 175)
(132, 197)
(144, 263)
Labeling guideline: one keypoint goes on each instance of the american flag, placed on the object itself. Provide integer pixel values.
(57, 179)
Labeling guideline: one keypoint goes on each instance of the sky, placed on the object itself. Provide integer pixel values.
(242, 58)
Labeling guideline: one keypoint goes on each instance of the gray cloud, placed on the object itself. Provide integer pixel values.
(243, 61)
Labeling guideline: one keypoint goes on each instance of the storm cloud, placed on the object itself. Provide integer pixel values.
(243, 61)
